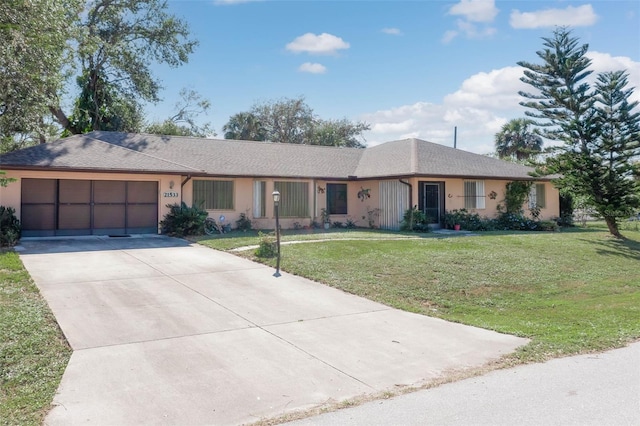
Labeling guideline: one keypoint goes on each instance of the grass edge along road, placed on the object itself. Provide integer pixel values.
(33, 350)
(571, 292)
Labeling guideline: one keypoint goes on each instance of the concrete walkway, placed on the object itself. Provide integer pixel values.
(165, 332)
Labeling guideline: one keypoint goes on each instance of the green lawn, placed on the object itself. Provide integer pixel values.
(570, 292)
(33, 352)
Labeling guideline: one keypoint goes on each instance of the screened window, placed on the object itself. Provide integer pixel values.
(294, 198)
(337, 198)
(537, 196)
(474, 194)
(213, 194)
(259, 198)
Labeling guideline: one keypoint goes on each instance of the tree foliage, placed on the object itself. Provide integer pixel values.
(293, 121)
(34, 39)
(183, 122)
(598, 126)
(244, 126)
(516, 140)
(118, 42)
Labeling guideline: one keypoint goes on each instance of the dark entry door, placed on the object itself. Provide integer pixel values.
(431, 206)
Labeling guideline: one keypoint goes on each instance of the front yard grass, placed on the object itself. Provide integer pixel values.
(570, 292)
(33, 351)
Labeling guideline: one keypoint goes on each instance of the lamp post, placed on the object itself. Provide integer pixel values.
(276, 202)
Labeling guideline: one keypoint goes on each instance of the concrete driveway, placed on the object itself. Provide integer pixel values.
(166, 332)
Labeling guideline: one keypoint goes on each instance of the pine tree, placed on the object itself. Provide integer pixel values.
(598, 127)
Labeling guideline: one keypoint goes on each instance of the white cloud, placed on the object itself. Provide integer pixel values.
(476, 15)
(581, 16)
(392, 31)
(475, 10)
(449, 36)
(317, 44)
(313, 68)
(481, 105)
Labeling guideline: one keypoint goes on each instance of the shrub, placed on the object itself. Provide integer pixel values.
(10, 229)
(548, 225)
(514, 222)
(183, 220)
(244, 223)
(336, 224)
(351, 224)
(414, 220)
(467, 220)
(268, 246)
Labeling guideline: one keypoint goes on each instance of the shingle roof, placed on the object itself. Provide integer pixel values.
(113, 151)
(415, 157)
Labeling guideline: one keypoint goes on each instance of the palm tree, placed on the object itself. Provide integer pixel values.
(244, 126)
(515, 140)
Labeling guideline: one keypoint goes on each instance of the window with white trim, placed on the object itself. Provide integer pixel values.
(537, 196)
(294, 198)
(213, 194)
(474, 194)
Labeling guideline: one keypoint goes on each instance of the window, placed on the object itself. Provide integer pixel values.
(294, 198)
(259, 198)
(474, 194)
(337, 198)
(213, 194)
(537, 196)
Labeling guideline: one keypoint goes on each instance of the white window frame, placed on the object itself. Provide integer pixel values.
(537, 193)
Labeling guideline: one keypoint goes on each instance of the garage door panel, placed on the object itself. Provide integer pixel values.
(74, 216)
(38, 217)
(39, 191)
(142, 216)
(109, 216)
(142, 192)
(75, 191)
(109, 191)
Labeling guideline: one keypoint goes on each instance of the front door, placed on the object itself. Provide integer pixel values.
(431, 198)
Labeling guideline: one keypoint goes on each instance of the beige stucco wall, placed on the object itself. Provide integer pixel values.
(168, 185)
(454, 196)
(243, 196)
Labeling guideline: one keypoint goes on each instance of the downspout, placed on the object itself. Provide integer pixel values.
(410, 192)
(184, 182)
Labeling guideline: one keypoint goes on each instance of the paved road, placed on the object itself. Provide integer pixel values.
(165, 332)
(599, 389)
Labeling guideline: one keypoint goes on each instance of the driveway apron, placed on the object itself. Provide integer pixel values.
(167, 332)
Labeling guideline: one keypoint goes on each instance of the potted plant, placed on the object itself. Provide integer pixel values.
(452, 220)
(326, 218)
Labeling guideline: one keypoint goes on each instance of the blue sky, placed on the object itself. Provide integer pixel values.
(408, 68)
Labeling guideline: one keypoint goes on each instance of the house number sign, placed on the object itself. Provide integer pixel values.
(170, 194)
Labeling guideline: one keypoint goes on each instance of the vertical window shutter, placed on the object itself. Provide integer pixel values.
(294, 198)
(213, 194)
(541, 200)
(259, 198)
(469, 195)
(480, 194)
